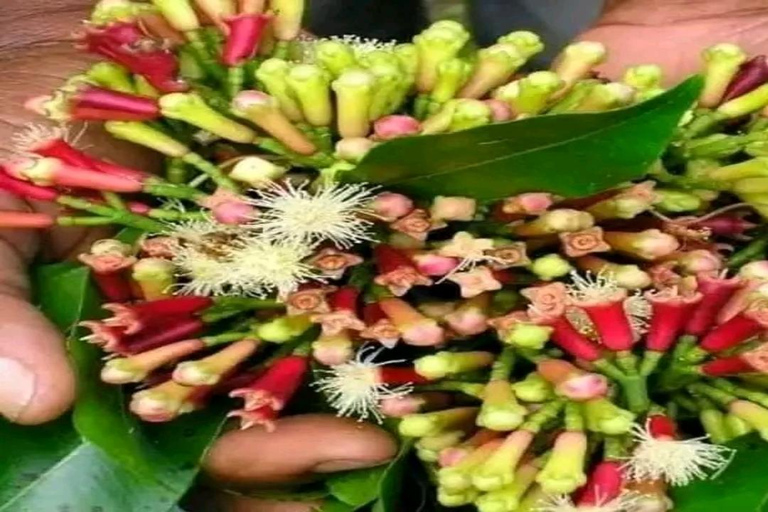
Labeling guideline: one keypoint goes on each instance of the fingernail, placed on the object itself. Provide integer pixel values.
(332, 466)
(17, 386)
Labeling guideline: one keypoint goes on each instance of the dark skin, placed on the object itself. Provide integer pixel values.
(36, 381)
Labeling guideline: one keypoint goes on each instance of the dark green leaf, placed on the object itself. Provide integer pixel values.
(359, 488)
(742, 487)
(570, 155)
(30, 451)
(331, 505)
(392, 481)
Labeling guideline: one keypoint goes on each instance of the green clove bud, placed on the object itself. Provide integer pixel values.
(550, 267)
(438, 43)
(310, 85)
(335, 56)
(577, 60)
(179, 13)
(112, 76)
(451, 76)
(604, 416)
(721, 63)
(643, 78)
(534, 388)
(286, 24)
(273, 75)
(144, 135)
(531, 94)
(527, 43)
(192, 109)
(354, 94)
(494, 67)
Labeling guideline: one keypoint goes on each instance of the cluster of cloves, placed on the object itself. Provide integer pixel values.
(541, 349)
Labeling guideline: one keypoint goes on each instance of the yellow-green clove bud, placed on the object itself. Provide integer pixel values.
(721, 63)
(334, 56)
(112, 76)
(527, 43)
(354, 93)
(287, 21)
(179, 13)
(531, 94)
(144, 135)
(310, 85)
(495, 65)
(436, 44)
(577, 60)
(451, 76)
(273, 74)
(192, 109)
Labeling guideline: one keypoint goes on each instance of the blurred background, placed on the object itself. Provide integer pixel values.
(556, 21)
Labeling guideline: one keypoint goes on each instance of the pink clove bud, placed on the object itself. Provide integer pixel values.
(394, 126)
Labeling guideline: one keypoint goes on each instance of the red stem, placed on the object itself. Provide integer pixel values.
(26, 190)
(668, 316)
(388, 259)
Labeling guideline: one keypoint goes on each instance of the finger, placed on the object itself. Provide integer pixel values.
(301, 446)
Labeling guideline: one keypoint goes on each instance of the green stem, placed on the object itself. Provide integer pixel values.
(755, 250)
(227, 337)
(651, 360)
(117, 217)
(114, 200)
(203, 57)
(542, 416)
(211, 170)
(609, 369)
(636, 393)
(173, 190)
(176, 171)
(741, 392)
(503, 365)
(235, 80)
(573, 418)
(84, 221)
(171, 215)
(719, 396)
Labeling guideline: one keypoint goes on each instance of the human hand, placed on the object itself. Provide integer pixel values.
(36, 381)
(673, 34)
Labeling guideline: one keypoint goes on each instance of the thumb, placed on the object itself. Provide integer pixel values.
(36, 381)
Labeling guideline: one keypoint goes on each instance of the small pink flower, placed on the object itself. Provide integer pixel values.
(476, 281)
(453, 208)
(431, 264)
(417, 224)
(531, 203)
(394, 126)
(512, 254)
(390, 206)
(548, 300)
(581, 243)
(332, 262)
(500, 110)
(310, 300)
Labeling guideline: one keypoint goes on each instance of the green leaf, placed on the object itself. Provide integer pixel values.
(570, 155)
(332, 505)
(359, 488)
(110, 461)
(742, 487)
(391, 482)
